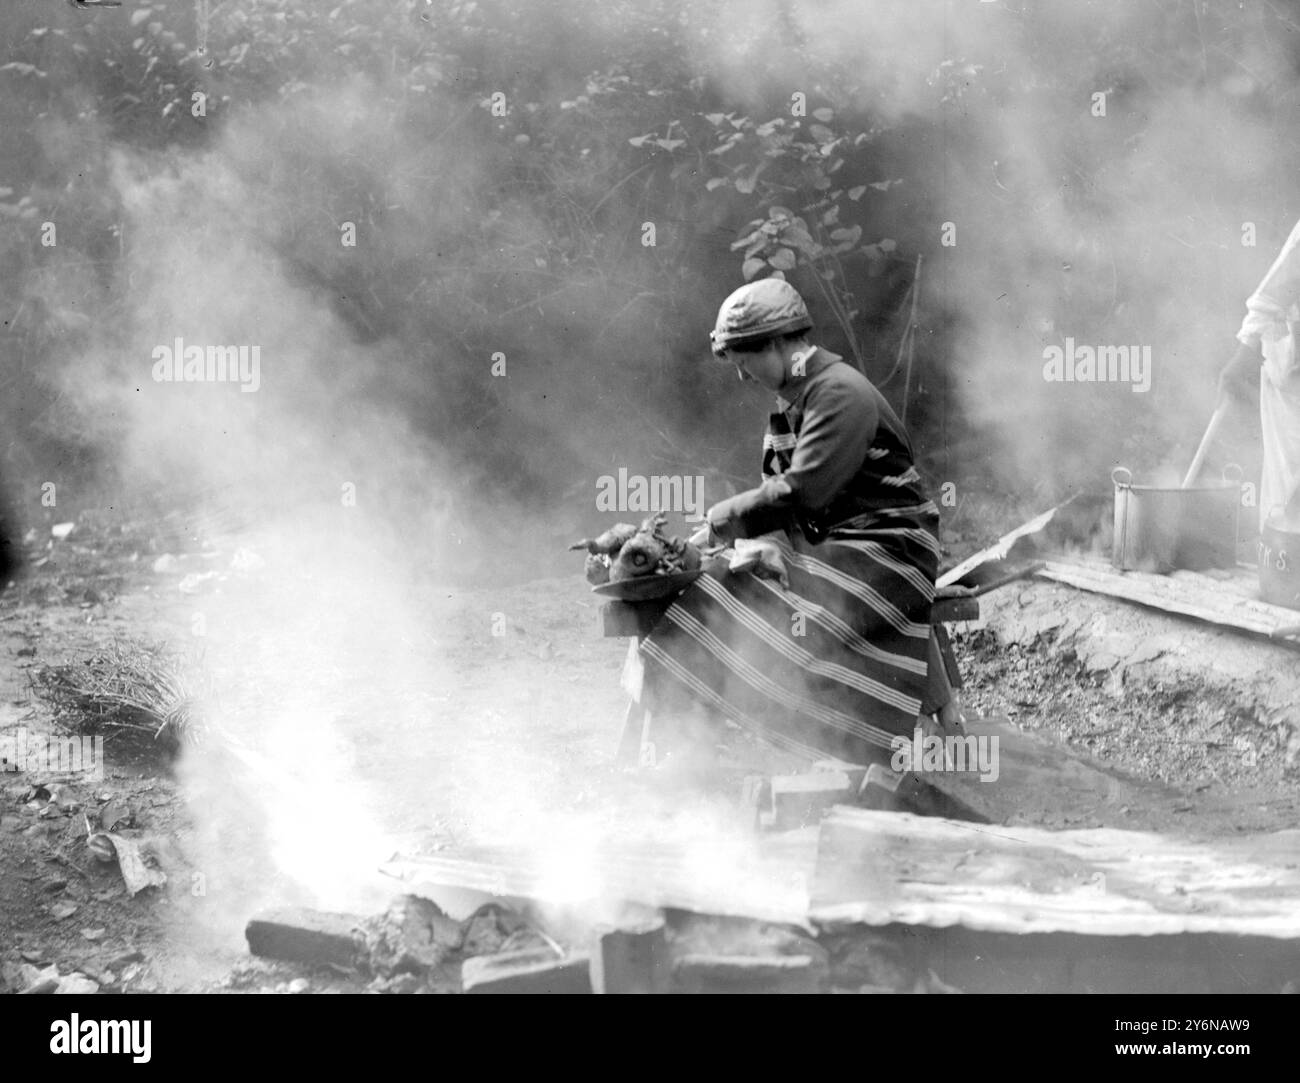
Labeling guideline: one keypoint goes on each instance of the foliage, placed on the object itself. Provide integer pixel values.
(520, 231)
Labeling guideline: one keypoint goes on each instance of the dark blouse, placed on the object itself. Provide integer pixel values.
(834, 452)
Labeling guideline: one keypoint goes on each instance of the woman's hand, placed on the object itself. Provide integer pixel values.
(703, 537)
(726, 516)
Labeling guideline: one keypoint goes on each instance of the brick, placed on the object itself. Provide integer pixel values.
(800, 800)
(747, 974)
(633, 958)
(526, 972)
(300, 935)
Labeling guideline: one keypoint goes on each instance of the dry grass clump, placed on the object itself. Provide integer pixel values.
(128, 688)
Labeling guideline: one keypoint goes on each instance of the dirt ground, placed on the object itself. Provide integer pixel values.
(464, 718)
(1168, 751)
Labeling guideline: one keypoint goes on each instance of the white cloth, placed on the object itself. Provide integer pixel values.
(762, 556)
(1273, 323)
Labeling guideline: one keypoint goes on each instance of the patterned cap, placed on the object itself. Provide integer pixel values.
(767, 307)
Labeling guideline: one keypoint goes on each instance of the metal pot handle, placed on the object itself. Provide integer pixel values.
(1233, 469)
(1128, 477)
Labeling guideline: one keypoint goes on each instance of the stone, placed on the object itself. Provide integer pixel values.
(403, 984)
(126, 958)
(489, 928)
(307, 936)
(37, 981)
(412, 937)
(60, 911)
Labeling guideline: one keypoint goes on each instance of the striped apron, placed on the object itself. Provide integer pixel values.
(834, 665)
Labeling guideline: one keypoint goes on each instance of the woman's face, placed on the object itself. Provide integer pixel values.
(765, 367)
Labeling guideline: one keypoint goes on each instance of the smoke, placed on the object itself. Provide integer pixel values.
(315, 643)
(341, 500)
(436, 403)
(340, 719)
(1040, 219)
(1109, 172)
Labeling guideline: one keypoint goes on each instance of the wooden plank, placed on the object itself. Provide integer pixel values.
(948, 610)
(998, 550)
(527, 972)
(982, 962)
(949, 660)
(1187, 594)
(883, 868)
(890, 868)
(765, 878)
(632, 737)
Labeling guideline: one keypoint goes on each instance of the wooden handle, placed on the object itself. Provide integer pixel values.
(1211, 430)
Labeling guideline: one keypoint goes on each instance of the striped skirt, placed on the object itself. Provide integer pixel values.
(833, 666)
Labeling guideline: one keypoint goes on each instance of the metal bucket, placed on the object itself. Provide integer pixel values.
(1279, 563)
(1161, 530)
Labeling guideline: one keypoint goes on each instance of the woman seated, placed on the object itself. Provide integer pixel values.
(834, 663)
